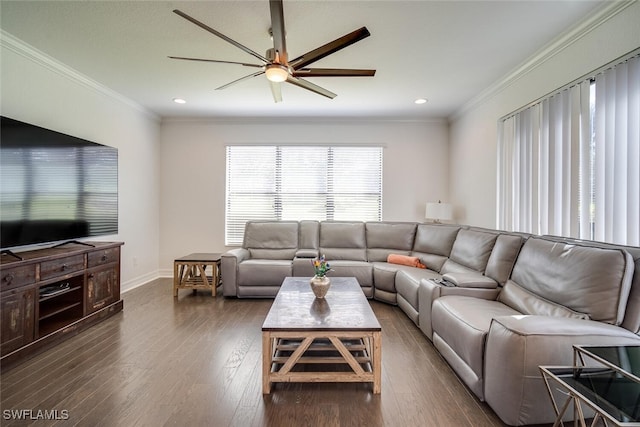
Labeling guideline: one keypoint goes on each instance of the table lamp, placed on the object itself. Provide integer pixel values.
(438, 211)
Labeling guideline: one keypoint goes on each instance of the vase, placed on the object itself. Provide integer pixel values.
(320, 285)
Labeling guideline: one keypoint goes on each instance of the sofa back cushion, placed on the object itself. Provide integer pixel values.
(309, 237)
(590, 280)
(271, 239)
(433, 244)
(632, 312)
(529, 303)
(503, 257)
(343, 241)
(471, 251)
(385, 238)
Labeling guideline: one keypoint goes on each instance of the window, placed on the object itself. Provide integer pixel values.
(58, 182)
(569, 164)
(301, 182)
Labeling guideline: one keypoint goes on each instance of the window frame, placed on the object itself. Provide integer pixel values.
(332, 195)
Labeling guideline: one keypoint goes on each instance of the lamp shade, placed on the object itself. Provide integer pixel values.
(439, 211)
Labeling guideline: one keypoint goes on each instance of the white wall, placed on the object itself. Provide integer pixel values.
(172, 196)
(473, 134)
(38, 90)
(193, 170)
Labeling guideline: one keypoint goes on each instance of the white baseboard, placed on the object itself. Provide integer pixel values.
(165, 272)
(139, 281)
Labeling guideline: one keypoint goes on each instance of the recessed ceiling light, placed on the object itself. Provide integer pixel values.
(179, 101)
(420, 101)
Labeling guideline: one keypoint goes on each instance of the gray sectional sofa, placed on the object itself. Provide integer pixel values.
(509, 302)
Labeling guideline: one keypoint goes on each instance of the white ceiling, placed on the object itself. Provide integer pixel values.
(445, 51)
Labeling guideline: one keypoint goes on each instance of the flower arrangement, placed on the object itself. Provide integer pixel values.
(320, 266)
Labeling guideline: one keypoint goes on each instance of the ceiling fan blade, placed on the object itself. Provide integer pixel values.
(277, 29)
(276, 91)
(216, 61)
(222, 36)
(240, 79)
(305, 84)
(329, 48)
(333, 72)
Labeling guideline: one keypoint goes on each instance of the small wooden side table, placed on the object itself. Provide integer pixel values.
(190, 272)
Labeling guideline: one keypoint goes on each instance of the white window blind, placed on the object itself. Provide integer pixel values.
(73, 183)
(301, 182)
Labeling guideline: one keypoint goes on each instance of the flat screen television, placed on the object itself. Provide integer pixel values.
(54, 187)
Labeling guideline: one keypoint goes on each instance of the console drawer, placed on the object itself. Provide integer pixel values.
(17, 276)
(62, 266)
(102, 257)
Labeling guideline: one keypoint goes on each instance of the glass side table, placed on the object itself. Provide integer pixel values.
(604, 379)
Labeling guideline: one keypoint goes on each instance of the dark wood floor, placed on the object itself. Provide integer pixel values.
(195, 361)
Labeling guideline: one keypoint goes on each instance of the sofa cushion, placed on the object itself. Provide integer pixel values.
(433, 244)
(463, 323)
(384, 238)
(271, 239)
(435, 239)
(408, 281)
(503, 257)
(589, 280)
(527, 303)
(309, 236)
(384, 276)
(361, 270)
(430, 290)
(632, 312)
(263, 272)
(471, 249)
(343, 241)
(452, 267)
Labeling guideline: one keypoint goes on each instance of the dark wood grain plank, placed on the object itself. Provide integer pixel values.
(196, 360)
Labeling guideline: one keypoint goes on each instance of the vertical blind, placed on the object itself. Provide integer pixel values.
(617, 154)
(569, 165)
(301, 182)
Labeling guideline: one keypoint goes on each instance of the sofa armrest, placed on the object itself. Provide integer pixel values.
(228, 268)
(430, 290)
(307, 253)
(516, 347)
(470, 280)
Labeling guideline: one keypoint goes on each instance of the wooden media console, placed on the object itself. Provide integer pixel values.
(48, 295)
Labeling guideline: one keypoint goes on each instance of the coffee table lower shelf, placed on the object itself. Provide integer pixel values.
(288, 356)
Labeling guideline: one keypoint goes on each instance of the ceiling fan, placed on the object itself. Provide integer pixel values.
(276, 64)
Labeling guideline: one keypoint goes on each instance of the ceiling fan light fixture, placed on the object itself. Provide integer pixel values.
(276, 73)
(275, 64)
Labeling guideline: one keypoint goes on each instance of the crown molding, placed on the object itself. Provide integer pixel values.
(331, 120)
(560, 43)
(14, 44)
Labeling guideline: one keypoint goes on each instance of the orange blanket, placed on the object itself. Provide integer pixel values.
(412, 261)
